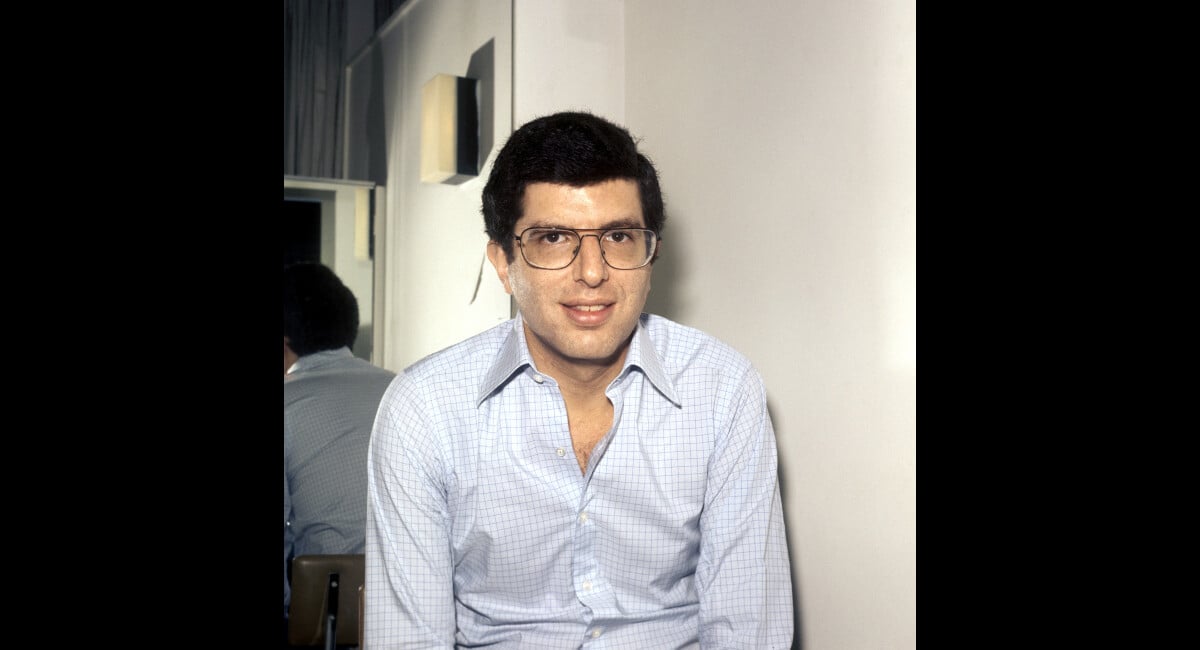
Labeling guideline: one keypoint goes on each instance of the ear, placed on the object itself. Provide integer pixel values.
(499, 260)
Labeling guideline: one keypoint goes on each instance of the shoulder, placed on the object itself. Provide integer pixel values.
(682, 348)
(469, 357)
(706, 373)
(371, 370)
(424, 407)
(453, 371)
(332, 376)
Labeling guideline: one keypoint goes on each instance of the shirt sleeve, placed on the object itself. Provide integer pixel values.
(409, 600)
(743, 576)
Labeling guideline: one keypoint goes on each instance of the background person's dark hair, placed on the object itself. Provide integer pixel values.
(319, 310)
(570, 148)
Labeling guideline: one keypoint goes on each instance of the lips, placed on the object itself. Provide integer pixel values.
(589, 315)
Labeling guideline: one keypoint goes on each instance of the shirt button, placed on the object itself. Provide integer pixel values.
(587, 585)
(583, 517)
(539, 379)
(560, 451)
(595, 633)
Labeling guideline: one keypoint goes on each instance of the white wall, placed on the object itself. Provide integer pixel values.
(435, 241)
(568, 56)
(784, 133)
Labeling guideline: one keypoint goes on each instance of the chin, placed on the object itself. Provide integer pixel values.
(602, 351)
(603, 345)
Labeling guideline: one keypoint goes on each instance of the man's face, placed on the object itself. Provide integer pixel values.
(582, 315)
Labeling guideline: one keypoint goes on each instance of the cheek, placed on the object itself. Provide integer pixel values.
(520, 287)
(642, 290)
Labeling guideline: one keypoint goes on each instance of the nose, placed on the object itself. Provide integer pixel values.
(590, 266)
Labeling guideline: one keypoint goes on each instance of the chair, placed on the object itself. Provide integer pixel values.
(326, 596)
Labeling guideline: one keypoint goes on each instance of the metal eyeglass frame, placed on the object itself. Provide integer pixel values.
(600, 232)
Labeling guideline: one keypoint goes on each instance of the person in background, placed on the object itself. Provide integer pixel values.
(583, 473)
(329, 402)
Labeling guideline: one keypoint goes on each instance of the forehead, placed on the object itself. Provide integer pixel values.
(606, 204)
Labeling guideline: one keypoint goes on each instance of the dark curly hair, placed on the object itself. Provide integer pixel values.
(319, 310)
(569, 148)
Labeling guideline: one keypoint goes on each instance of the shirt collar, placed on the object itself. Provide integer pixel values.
(514, 355)
(643, 355)
(316, 360)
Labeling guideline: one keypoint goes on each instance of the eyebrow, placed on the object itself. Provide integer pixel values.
(616, 223)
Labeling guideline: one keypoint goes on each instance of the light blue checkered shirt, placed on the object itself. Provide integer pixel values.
(481, 531)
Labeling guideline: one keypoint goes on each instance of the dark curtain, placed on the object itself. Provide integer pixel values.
(314, 43)
(384, 10)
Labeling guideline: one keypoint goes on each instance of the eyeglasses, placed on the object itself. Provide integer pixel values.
(556, 248)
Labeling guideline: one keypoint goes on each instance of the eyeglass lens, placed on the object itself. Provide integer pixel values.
(553, 248)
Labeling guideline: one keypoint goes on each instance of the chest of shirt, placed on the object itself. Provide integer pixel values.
(515, 479)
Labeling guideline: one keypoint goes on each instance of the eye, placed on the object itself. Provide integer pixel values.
(619, 236)
(551, 237)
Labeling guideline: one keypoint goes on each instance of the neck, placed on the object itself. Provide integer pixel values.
(582, 383)
(581, 378)
(289, 358)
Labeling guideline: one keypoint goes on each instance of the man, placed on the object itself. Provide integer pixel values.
(329, 403)
(583, 474)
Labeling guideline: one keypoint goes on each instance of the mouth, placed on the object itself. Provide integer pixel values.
(589, 315)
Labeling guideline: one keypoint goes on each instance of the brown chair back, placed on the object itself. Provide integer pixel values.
(316, 581)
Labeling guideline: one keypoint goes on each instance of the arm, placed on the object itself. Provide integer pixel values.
(743, 576)
(409, 583)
